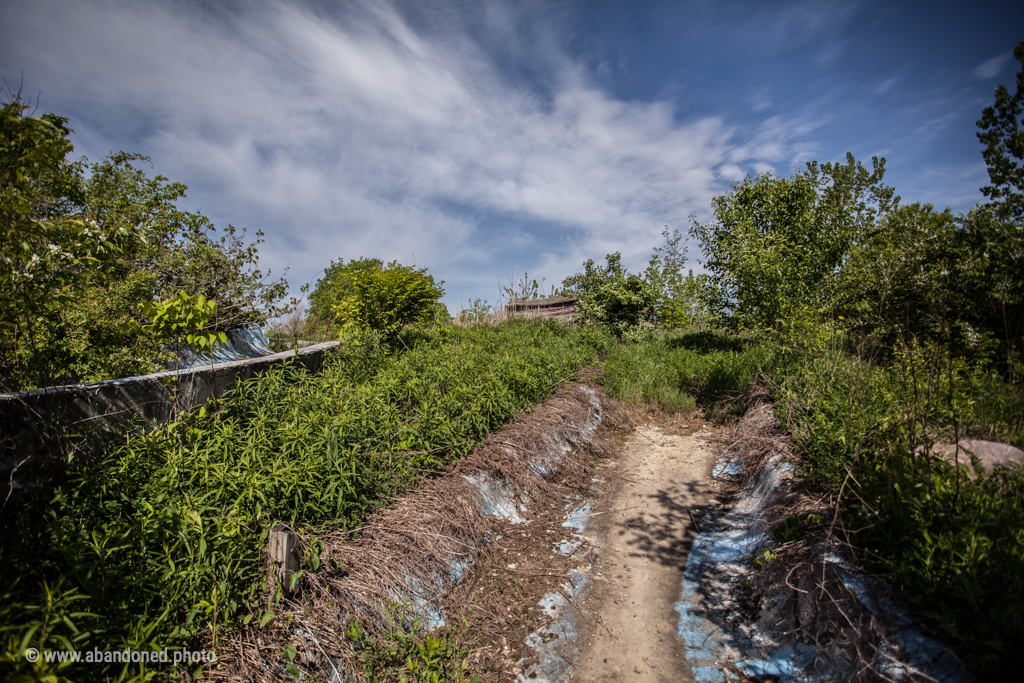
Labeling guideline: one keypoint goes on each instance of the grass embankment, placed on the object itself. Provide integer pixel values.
(950, 539)
(159, 540)
(952, 542)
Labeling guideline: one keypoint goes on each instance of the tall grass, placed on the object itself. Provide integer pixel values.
(159, 541)
(682, 370)
(950, 539)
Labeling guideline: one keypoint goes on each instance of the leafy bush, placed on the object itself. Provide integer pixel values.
(385, 300)
(954, 545)
(412, 657)
(681, 300)
(951, 541)
(334, 286)
(610, 297)
(85, 244)
(182, 317)
(161, 538)
(776, 243)
(928, 275)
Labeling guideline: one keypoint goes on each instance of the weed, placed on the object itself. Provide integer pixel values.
(411, 656)
(161, 537)
(950, 538)
(678, 372)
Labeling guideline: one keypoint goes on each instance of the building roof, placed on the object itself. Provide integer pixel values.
(543, 302)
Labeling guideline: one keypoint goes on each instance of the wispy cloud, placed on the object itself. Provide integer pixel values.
(760, 100)
(945, 185)
(991, 68)
(887, 85)
(359, 134)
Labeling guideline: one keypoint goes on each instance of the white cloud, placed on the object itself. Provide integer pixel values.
(932, 126)
(945, 185)
(357, 135)
(760, 100)
(887, 85)
(990, 68)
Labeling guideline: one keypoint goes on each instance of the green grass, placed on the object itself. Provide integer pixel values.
(680, 371)
(159, 540)
(952, 544)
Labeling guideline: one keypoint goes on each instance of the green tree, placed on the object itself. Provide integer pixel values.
(387, 299)
(610, 296)
(924, 275)
(83, 245)
(335, 285)
(180, 250)
(898, 283)
(677, 295)
(993, 233)
(50, 252)
(1001, 132)
(776, 244)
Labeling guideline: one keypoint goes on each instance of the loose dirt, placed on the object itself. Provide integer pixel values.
(530, 594)
(657, 485)
(602, 608)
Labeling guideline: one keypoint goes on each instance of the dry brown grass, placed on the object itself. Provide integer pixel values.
(467, 318)
(807, 593)
(405, 553)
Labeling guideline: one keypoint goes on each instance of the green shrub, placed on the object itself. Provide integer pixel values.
(84, 244)
(335, 285)
(952, 543)
(668, 372)
(411, 656)
(611, 297)
(387, 299)
(162, 535)
(775, 244)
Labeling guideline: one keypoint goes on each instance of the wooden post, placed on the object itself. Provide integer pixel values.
(283, 546)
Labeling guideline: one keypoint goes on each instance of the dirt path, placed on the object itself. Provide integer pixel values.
(584, 586)
(627, 629)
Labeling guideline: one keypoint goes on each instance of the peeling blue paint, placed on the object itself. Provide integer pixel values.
(732, 468)
(496, 499)
(720, 557)
(579, 516)
(557, 643)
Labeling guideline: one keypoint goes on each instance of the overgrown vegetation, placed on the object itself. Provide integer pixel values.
(611, 297)
(884, 331)
(84, 244)
(776, 244)
(890, 335)
(158, 542)
(950, 538)
(679, 371)
(412, 656)
(386, 300)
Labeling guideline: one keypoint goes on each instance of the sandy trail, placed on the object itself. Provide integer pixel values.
(654, 489)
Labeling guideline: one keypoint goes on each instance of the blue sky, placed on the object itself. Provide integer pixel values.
(484, 138)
